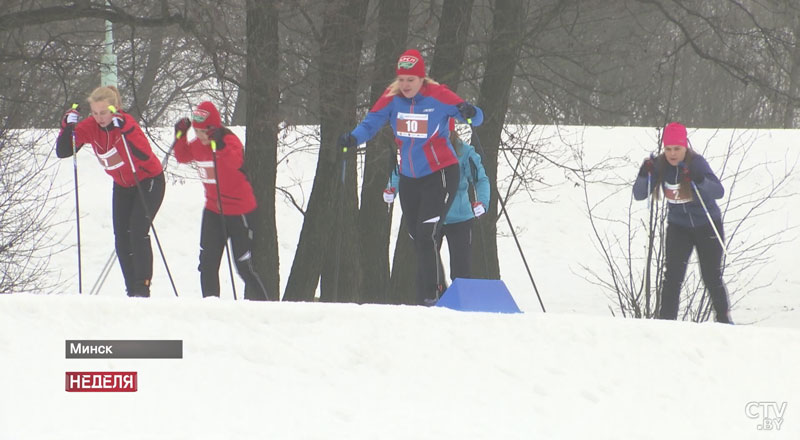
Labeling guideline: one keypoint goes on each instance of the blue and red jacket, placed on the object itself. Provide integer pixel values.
(420, 127)
(471, 172)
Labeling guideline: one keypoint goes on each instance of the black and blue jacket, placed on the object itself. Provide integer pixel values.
(684, 211)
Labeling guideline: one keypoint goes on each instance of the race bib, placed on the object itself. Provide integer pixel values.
(412, 125)
(110, 160)
(672, 194)
(206, 171)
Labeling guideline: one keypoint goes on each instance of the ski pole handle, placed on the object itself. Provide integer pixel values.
(213, 145)
(71, 117)
(77, 204)
(182, 127)
(113, 110)
(74, 149)
(74, 107)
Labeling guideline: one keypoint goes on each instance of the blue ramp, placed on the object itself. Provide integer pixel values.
(473, 295)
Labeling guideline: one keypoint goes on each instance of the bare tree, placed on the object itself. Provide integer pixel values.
(501, 62)
(328, 246)
(61, 46)
(28, 201)
(379, 159)
(262, 133)
(634, 265)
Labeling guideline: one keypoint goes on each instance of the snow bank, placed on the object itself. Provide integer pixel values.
(322, 371)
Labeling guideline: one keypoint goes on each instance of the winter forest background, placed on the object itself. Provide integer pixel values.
(272, 66)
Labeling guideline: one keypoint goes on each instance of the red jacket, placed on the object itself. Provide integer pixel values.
(236, 191)
(110, 150)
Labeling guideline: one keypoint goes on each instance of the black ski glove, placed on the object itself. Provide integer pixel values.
(467, 110)
(182, 127)
(648, 167)
(347, 141)
(691, 173)
(217, 134)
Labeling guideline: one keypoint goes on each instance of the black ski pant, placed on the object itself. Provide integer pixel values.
(425, 202)
(679, 244)
(212, 245)
(459, 243)
(132, 231)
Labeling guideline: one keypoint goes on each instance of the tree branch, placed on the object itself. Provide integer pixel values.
(16, 20)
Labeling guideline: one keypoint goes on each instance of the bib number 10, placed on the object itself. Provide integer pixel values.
(413, 125)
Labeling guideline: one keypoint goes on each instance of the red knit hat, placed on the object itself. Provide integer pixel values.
(411, 63)
(675, 134)
(206, 115)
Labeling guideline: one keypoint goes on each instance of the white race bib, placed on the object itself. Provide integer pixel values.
(110, 160)
(412, 125)
(206, 171)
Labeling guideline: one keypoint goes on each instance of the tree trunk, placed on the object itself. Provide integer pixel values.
(381, 156)
(504, 48)
(141, 94)
(329, 244)
(794, 74)
(451, 42)
(239, 116)
(262, 135)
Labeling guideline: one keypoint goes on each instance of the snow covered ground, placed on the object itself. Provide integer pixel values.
(314, 371)
(343, 371)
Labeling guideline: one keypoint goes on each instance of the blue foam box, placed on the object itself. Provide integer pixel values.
(474, 295)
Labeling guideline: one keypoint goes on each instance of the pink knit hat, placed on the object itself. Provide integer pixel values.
(675, 134)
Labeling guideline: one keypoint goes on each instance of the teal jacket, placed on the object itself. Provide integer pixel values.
(471, 173)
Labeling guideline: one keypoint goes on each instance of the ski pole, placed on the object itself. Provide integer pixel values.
(77, 205)
(222, 215)
(650, 237)
(340, 221)
(437, 237)
(710, 220)
(650, 184)
(510, 225)
(144, 201)
(101, 279)
(165, 161)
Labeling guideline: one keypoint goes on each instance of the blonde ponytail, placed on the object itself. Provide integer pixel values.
(109, 94)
